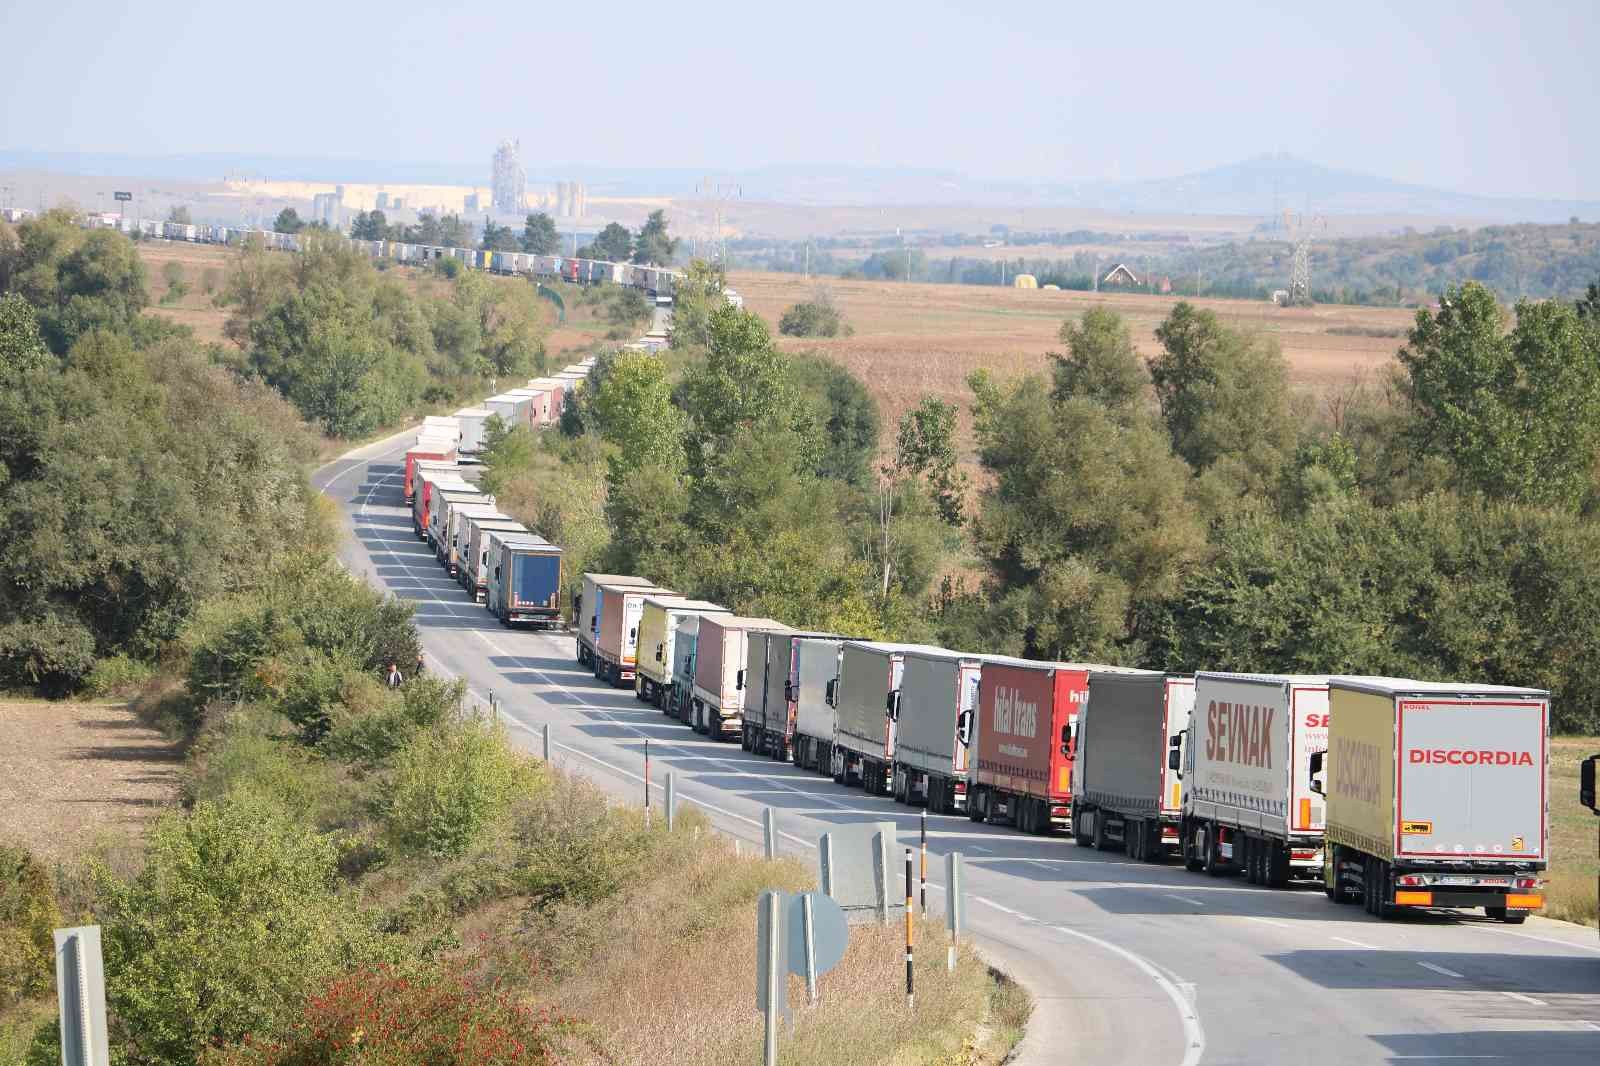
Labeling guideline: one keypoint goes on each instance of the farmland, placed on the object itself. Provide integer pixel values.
(916, 338)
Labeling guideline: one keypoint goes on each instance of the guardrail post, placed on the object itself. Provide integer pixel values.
(769, 832)
(547, 742)
(672, 798)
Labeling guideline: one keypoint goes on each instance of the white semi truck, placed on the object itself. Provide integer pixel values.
(1437, 795)
(1246, 768)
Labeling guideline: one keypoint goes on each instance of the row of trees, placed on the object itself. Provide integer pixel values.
(652, 245)
(1186, 513)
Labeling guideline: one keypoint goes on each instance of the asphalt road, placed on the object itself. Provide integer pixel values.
(1132, 964)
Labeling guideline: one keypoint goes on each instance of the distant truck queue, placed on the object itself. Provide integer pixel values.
(1391, 792)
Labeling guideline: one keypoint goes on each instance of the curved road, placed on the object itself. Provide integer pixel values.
(1131, 964)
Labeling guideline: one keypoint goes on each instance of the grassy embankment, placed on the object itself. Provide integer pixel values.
(633, 939)
(1573, 835)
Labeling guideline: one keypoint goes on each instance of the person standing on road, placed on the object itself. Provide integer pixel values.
(395, 677)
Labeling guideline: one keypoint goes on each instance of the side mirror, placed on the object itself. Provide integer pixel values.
(1586, 774)
(1172, 759)
(964, 727)
(738, 681)
(1066, 739)
(892, 705)
(788, 690)
(658, 653)
(831, 696)
(1319, 758)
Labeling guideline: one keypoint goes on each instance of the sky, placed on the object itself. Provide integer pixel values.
(1476, 96)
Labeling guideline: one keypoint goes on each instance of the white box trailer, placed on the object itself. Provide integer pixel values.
(768, 720)
(935, 712)
(472, 420)
(475, 572)
(586, 610)
(458, 542)
(719, 691)
(511, 410)
(1127, 793)
(1246, 759)
(443, 499)
(813, 671)
(1438, 795)
(447, 426)
(425, 474)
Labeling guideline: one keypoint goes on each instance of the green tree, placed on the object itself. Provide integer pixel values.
(27, 915)
(925, 446)
(815, 318)
(232, 921)
(696, 297)
(498, 238)
(633, 410)
(653, 245)
(1224, 397)
(628, 309)
(612, 244)
(288, 221)
(1101, 362)
(180, 215)
(539, 236)
(742, 381)
(77, 281)
(846, 413)
(1516, 415)
(369, 226)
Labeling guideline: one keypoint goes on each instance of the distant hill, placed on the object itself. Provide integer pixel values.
(1255, 188)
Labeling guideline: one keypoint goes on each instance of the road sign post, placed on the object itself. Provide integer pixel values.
(81, 997)
(955, 904)
(772, 971)
(910, 936)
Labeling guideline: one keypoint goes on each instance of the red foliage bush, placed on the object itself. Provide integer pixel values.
(440, 1017)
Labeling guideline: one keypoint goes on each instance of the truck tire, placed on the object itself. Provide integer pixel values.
(1080, 836)
(1340, 892)
(1133, 836)
(1213, 863)
(1100, 841)
(1186, 847)
(1504, 914)
(1276, 868)
(975, 804)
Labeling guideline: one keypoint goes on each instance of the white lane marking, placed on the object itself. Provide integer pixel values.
(1264, 921)
(1526, 999)
(1355, 943)
(1184, 899)
(1592, 1025)
(1441, 969)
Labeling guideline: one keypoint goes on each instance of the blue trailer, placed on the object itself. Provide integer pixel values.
(525, 582)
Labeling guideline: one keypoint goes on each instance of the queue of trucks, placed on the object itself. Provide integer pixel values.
(1391, 792)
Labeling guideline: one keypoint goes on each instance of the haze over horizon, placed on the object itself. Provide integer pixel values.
(1478, 97)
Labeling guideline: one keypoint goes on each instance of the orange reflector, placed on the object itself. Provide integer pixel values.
(1413, 899)
(1305, 814)
(1525, 903)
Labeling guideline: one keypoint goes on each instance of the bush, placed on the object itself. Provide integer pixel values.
(27, 917)
(230, 925)
(816, 318)
(117, 676)
(450, 784)
(238, 751)
(369, 737)
(442, 1016)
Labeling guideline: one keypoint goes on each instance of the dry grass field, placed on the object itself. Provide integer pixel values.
(914, 338)
(70, 772)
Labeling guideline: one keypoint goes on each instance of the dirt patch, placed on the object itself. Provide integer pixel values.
(69, 771)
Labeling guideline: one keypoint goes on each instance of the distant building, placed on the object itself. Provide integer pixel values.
(1120, 276)
(328, 208)
(572, 200)
(383, 200)
(470, 205)
(508, 182)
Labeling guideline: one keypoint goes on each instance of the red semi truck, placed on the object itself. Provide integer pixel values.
(1022, 771)
(442, 448)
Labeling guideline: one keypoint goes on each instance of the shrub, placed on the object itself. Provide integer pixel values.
(27, 916)
(238, 751)
(442, 1016)
(117, 676)
(450, 784)
(816, 318)
(231, 923)
(370, 735)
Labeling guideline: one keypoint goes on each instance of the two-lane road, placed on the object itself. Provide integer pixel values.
(1132, 964)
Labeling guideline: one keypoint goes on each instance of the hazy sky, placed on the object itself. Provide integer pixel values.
(1484, 97)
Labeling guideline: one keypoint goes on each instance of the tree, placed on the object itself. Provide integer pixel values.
(627, 309)
(370, 226)
(814, 318)
(180, 215)
(1224, 397)
(925, 446)
(653, 246)
(77, 281)
(695, 298)
(288, 221)
(539, 236)
(846, 413)
(633, 410)
(1516, 415)
(1101, 363)
(498, 238)
(742, 381)
(612, 244)
(1588, 305)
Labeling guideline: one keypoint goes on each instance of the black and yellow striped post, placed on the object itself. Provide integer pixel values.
(910, 927)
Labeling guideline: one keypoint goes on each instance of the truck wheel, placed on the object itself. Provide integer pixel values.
(1187, 848)
(1100, 842)
(1134, 834)
(975, 804)
(1277, 865)
(1213, 864)
(1503, 914)
(1080, 836)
